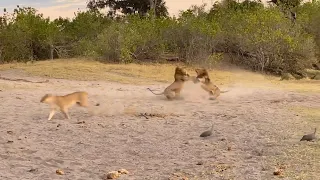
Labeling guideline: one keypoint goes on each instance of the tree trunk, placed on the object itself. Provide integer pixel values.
(153, 5)
(51, 52)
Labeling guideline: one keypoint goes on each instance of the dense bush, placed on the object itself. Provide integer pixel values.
(265, 40)
(260, 38)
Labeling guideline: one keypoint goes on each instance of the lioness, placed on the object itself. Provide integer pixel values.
(63, 103)
(174, 89)
(207, 85)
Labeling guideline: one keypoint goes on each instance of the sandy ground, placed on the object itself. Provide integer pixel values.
(254, 129)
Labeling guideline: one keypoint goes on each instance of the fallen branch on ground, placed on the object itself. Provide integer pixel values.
(23, 80)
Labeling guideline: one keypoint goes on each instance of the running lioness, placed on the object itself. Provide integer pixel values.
(63, 103)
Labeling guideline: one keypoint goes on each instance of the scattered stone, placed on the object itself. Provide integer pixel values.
(207, 133)
(59, 172)
(219, 168)
(81, 122)
(9, 141)
(200, 163)
(229, 148)
(178, 176)
(10, 132)
(277, 172)
(101, 125)
(149, 115)
(33, 170)
(123, 171)
(58, 125)
(112, 175)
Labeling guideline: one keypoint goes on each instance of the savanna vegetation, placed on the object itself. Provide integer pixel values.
(283, 37)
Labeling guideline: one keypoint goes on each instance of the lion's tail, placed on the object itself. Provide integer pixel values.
(154, 93)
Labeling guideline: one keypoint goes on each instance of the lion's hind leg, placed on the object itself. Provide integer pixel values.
(169, 94)
(178, 95)
(214, 94)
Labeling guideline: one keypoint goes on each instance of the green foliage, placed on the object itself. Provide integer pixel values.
(266, 41)
(137, 38)
(26, 35)
(287, 4)
(257, 37)
(309, 19)
(129, 7)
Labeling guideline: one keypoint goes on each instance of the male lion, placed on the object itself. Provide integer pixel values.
(174, 89)
(207, 85)
(63, 103)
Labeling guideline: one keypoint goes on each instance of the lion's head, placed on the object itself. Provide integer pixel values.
(202, 73)
(181, 74)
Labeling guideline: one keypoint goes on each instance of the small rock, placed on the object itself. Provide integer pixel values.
(10, 132)
(9, 141)
(123, 171)
(101, 125)
(200, 163)
(277, 172)
(112, 175)
(58, 125)
(59, 172)
(229, 148)
(33, 170)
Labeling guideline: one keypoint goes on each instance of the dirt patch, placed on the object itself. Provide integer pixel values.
(255, 129)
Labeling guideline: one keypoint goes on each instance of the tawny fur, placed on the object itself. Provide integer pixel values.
(174, 89)
(63, 103)
(207, 85)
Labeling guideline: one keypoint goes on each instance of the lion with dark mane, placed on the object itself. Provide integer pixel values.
(174, 89)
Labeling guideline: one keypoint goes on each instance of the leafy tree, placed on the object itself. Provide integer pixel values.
(26, 35)
(130, 6)
(286, 3)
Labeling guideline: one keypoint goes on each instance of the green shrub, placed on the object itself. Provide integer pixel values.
(264, 40)
(257, 37)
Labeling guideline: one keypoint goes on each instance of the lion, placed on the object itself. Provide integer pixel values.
(63, 103)
(207, 85)
(174, 89)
